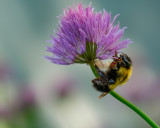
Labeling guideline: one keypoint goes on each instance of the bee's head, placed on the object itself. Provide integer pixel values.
(125, 60)
(122, 61)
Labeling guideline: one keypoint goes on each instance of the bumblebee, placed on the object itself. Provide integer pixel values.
(118, 73)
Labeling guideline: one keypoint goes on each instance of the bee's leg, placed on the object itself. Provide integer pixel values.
(100, 73)
(111, 81)
(102, 95)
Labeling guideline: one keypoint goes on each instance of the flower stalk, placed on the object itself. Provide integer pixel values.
(83, 36)
(127, 103)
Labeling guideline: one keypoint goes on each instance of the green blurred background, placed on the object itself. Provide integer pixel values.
(35, 93)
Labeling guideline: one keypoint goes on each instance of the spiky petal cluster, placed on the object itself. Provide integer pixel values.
(84, 35)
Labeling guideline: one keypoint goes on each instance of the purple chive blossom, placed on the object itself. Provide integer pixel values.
(84, 35)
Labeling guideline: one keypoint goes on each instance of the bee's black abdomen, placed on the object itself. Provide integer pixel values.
(100, 85)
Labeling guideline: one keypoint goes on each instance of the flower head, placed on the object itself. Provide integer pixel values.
(84, 35)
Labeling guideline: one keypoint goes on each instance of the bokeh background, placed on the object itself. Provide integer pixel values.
(35, 93)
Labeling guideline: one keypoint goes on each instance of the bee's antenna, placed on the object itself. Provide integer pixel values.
(116, 53)
(115, 56)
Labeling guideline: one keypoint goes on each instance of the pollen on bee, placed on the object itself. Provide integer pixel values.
(103, 66)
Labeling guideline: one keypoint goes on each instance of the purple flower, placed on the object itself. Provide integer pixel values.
(84, 35)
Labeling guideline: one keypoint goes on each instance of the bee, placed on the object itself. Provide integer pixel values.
(118, 73)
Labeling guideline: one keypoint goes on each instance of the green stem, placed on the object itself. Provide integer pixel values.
(129, 104)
